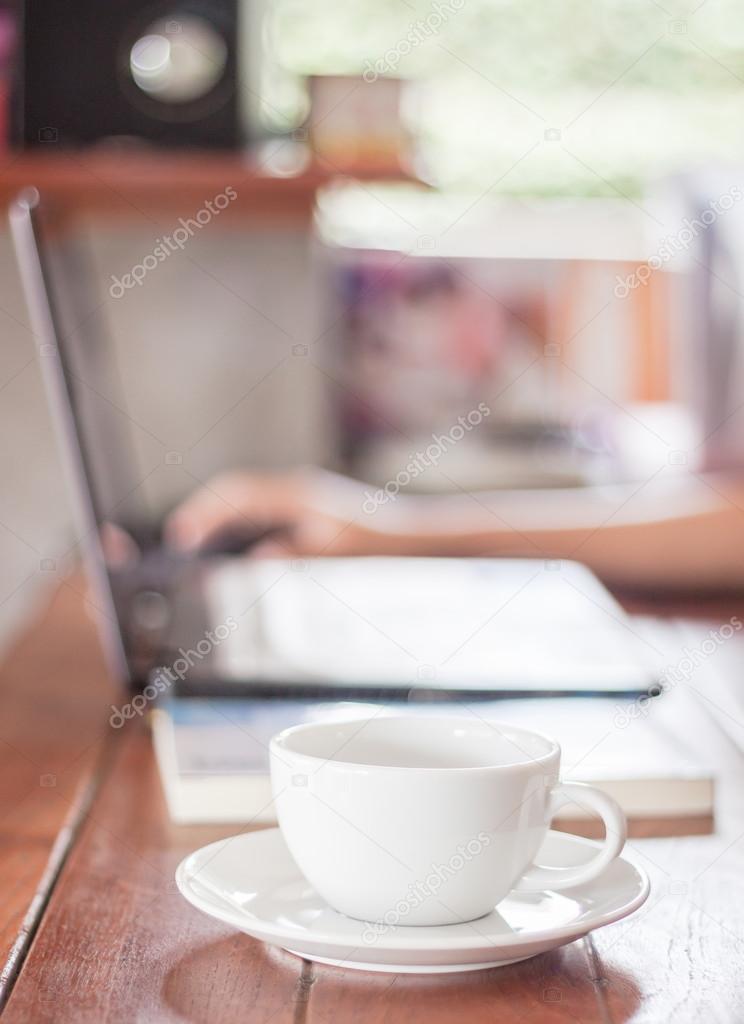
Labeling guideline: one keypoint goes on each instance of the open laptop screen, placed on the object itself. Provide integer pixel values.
(84, 403)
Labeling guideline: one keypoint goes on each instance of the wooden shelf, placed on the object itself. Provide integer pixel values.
(161, 185)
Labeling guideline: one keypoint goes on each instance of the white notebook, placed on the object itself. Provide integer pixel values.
(483, 624)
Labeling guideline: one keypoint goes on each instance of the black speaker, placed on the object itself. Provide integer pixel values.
(164, 72)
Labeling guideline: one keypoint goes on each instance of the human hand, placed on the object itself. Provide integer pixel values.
(316, 513)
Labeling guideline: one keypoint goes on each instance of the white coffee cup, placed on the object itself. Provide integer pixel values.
(426, 820)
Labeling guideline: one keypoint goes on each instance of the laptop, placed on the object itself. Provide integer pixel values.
(221, 623)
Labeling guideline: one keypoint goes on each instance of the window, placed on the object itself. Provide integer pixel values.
(569, 97)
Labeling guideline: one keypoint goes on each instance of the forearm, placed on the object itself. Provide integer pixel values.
(671, 532)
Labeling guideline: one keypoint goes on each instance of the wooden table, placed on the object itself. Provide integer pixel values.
(93, 929)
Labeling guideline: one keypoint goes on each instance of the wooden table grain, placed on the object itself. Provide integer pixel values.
(54, 693)
(113, 941)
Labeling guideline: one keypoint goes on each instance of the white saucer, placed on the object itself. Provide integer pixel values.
(252, 882)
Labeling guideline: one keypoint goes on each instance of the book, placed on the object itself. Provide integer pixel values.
(213, 755)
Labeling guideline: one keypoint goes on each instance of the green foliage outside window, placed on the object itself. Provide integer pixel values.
(540, 97)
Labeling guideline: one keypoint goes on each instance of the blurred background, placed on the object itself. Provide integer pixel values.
(380, 215)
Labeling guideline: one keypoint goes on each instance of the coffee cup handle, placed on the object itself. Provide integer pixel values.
(539, 877)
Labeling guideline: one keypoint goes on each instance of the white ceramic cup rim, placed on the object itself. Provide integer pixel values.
(286, 742)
